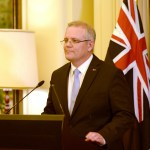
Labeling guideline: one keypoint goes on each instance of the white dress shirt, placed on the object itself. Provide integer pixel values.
(82, 68)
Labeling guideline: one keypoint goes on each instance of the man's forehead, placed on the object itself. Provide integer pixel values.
(76, 31)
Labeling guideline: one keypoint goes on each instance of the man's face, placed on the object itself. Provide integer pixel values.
(75, 51)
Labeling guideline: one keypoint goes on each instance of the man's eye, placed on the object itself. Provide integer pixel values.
(75, 41)
(65, 40)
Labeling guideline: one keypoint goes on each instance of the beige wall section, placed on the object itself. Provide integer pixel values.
(87, 12)
(144, 8)
(45, 18)
(80, 10)
(105, 17)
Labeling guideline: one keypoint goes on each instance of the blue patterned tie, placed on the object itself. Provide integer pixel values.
(75, 89)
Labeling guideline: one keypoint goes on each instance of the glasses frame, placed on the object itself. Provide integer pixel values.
(72, 41)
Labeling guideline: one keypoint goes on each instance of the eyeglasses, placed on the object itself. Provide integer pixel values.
(72, 41)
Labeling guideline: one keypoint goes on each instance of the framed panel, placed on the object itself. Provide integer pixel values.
(10, 14)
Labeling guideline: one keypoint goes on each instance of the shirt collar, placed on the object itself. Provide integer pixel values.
(82, 68)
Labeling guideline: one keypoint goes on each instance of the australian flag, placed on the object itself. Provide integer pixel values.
(127, 50)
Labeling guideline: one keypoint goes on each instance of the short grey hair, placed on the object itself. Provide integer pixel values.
(90, 31)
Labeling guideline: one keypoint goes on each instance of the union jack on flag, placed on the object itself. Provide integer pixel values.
(127, 51)
(133, 53)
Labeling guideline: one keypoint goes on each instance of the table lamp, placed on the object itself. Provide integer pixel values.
(18, 60)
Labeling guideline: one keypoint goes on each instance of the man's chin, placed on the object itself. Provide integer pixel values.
(69, 58)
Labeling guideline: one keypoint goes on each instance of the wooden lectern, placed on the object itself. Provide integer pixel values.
(31, 132)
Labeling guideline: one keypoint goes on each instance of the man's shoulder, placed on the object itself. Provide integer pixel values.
(63, 68)
(104, 65)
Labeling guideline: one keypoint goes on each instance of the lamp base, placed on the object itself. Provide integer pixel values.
(17, 95)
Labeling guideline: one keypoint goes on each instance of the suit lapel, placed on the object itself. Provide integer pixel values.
(65, 89)
(88, 80)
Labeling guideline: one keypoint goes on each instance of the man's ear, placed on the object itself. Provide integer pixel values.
(90, 45)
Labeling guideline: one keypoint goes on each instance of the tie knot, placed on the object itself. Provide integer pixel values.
(76, 72)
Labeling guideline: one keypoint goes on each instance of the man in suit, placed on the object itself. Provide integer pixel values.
(103, 109)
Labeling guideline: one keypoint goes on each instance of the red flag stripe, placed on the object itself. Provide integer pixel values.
(140, 106)
(132, 10)
(118, 39)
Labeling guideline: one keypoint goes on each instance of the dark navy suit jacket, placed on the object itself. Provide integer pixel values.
(104, 104)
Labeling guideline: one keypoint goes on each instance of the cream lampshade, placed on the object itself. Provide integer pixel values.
(18, 60)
